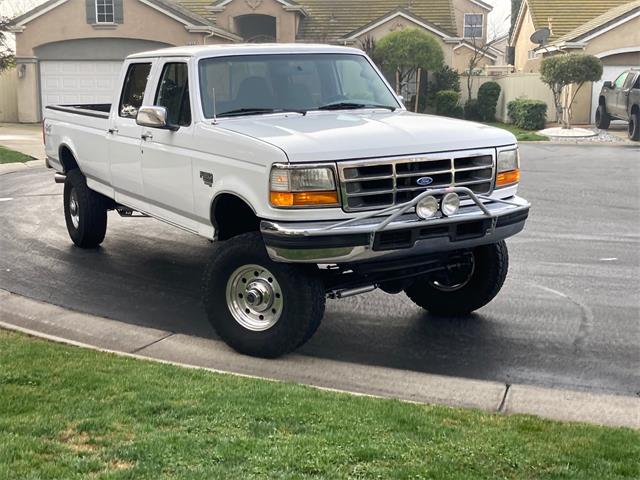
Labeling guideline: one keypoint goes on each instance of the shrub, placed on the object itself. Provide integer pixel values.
(447, 104)
(471, 111)
(444, 79)
(487, 101)
(527, 114)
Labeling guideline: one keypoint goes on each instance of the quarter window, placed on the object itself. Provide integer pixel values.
(473, 25)
(173, 94)
(135, 83)
(104, 11)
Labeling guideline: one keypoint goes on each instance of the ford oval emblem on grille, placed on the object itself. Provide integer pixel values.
(424, 181)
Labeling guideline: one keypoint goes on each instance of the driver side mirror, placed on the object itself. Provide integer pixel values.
(155, 117)
(608, 85)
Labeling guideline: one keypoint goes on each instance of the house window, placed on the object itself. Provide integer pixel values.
(473, 25)
(104, 11)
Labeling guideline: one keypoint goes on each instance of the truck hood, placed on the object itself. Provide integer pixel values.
(331, 136)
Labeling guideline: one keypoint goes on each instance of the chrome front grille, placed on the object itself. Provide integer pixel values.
(372, 184)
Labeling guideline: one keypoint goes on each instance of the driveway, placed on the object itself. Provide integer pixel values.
(24, 138)
(567, 316)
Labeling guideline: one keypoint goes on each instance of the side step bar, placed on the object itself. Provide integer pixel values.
(59, 178)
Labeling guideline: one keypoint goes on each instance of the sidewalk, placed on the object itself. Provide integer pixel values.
(83, 330)
(24, 138)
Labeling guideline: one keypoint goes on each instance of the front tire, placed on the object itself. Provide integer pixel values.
(257, 306)
(634, 127)
(603, 119)
(85, 211)
(469, 292)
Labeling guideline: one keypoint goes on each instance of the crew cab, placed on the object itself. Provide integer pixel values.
(620, 100)
(302, 166)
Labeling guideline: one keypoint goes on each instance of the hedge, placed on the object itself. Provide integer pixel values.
(447, 104)
(487, 100)
(471, 111)
(527, 114)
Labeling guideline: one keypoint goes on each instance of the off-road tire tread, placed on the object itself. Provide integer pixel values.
(492, 265)
(93, 212)
(303, 311)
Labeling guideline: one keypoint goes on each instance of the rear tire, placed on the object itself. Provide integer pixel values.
(469, 293)
(603, 119)
(85, 211)
(634, 127)
(257, 306)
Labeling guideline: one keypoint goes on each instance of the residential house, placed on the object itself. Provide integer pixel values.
(608, 29)
(70, 51)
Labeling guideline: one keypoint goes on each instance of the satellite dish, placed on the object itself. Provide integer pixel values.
(541, 36)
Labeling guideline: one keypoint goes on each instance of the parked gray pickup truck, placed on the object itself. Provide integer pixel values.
(620, 100)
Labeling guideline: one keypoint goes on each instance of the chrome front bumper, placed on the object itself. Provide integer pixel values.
(396, 231)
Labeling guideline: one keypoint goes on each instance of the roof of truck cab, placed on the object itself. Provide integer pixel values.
(244, 49)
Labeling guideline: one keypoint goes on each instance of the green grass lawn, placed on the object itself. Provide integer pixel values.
(72, 413)
(521, 135)
(11, 156)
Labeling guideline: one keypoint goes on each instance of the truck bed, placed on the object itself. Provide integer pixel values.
(100, 110)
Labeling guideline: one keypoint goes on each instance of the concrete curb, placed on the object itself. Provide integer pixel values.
(17, 166)
(61, 325)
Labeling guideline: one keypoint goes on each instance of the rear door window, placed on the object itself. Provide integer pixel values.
(173, 93)
(135, 83)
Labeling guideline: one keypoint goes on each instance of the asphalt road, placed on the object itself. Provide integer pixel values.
(568, 316)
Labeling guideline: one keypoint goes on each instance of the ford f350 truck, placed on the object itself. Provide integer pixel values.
(305, 169)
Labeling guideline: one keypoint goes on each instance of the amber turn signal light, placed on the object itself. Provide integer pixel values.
(507, 178)
(303, 199)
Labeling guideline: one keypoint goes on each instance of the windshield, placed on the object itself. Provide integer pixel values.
(254, 84)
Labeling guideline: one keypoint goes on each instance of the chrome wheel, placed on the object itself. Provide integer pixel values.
(254, 298)
(452, 280)
(74, 209)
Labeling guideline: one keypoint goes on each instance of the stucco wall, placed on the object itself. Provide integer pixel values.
(460, 7)
(461, 57)
(9, 96)
(286, 22)
(69, 21)
(624, 36)
(400, 23)
(523, 45)
(95, 49)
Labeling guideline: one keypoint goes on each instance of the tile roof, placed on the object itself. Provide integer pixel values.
(568, 15)
(611, 16)
(330, 20)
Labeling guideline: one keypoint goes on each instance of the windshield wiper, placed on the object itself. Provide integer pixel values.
(258, 111)
(353, 106)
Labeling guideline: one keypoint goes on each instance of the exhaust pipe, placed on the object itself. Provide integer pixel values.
(59, 178)
(351, 292)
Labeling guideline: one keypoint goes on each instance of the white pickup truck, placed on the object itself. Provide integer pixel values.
(304, 167)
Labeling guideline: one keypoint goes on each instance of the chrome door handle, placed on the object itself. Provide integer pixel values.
(147, 136)
(112, 130)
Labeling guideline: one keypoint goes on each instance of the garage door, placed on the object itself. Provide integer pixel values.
(64, 82)
(610, 73)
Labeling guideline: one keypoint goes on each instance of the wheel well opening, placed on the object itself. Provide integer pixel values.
(232, 216)
(635, 109)
(601, 101)
(67, 159)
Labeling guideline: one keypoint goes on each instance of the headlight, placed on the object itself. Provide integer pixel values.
(508, 168)
(427, 207)
(303, 187)
(450, 204)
